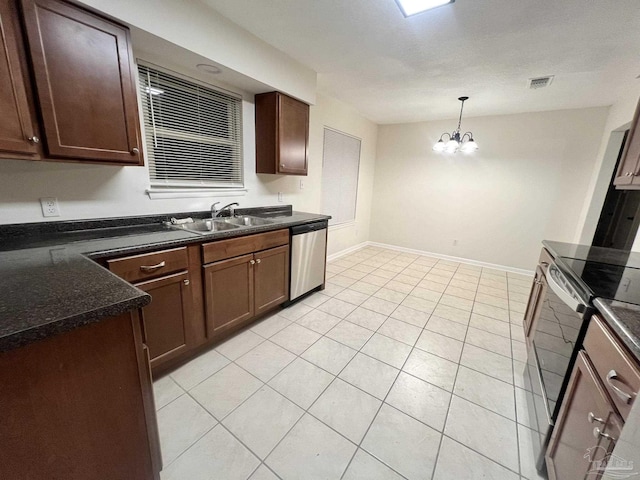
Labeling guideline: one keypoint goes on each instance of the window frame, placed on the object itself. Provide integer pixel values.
(172, 188)
(333, 223)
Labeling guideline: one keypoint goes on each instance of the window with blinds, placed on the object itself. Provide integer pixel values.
(340, 168)
(193, 132)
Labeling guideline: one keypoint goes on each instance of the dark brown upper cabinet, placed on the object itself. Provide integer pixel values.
(19, 133)
(83, 86)
(282, 134)
(628, 174)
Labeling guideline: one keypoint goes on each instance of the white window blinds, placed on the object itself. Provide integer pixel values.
(193, 132)
(340, 167)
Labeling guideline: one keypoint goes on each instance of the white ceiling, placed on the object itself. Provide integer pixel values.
(394, 69)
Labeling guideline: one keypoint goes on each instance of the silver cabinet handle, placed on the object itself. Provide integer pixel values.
(135, 151)
(592, 418)
(34, 139)
(597, 433)
(252, 262)
(282, 165)
(622, 395)
(186, 281)
(152, 268)
(258, 261)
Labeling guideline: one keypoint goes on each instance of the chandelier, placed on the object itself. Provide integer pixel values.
(464, 143)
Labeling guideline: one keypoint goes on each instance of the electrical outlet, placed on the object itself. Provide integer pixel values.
(280, 197)
(49, 207)
(301, 184)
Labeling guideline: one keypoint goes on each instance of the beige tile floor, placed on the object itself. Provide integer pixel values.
(405, 366)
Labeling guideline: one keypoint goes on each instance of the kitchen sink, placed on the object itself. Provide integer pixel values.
(248, 221)
(206, 226)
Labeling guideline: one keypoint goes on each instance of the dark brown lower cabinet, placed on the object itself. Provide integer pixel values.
(79, 406)
(174, 320)
(166, 319)
(271, 274)
(240, 288)
(229, 291)
(534, 306)
(586, 429)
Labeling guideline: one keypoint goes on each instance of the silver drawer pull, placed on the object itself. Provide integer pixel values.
(622, 395)
(252, 262)
(598, 433)
(592, 418)
(152, 268)
(258, 261)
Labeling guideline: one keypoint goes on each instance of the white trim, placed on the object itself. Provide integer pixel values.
(162, 193)
(469, 261)
(342, 253)
(338, 226)
(504, 268)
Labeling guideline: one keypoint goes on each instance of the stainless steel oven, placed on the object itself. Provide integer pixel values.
(553, 342)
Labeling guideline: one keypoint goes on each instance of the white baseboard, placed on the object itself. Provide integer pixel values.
(342, 253)
(469, 261)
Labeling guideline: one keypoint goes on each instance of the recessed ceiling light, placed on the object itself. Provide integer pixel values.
(212, 69)
(413, 7)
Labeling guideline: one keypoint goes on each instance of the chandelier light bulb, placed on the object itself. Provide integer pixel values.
(469, 146)
(439, 146)
(465, 143)
(452, 146)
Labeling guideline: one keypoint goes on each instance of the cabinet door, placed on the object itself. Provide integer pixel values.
(293, 132)
(83, 72)
(586, 429)
(167, 326)
(228, 292)
(628, 169)
(538, 290)
(18, 132)
(271, 278)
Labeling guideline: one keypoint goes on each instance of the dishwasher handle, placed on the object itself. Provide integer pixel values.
(309, 227)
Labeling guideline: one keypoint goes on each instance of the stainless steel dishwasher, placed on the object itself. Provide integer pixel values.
(308, 258)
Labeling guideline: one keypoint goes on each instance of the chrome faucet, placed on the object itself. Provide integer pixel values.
(214, 212)
(228, 207)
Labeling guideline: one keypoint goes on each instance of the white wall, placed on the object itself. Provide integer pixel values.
(527, 182)
(200, 29)
(618, 120)
(95, 191)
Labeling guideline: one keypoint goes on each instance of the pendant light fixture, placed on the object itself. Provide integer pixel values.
(464, 143)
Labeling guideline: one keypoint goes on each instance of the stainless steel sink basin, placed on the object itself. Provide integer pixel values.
(206, 226)
(248, 221)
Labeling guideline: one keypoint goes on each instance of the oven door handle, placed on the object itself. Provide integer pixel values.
(566, 297)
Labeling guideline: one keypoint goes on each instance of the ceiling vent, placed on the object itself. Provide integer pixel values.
(540, 82)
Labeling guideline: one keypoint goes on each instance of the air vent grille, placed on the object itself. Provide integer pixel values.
(540, 82)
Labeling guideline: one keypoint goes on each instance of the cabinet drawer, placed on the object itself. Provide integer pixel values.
(220, 250)
(149, 265)
(618, 372)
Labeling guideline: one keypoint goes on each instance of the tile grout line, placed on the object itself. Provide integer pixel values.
(358, 351)
(446, 417)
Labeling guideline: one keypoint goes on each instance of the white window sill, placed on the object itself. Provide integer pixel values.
(156, 193)
(342, 225)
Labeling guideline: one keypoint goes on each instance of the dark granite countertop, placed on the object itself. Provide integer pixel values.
(50, 284)
(624, 319)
